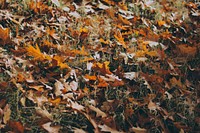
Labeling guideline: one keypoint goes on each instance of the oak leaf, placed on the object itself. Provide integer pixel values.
(4, 35)
(36, 53)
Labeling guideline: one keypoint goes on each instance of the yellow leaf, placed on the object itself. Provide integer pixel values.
(36, 53)
(103, 41)
(59, 61)
(152, 53)
(83, 30)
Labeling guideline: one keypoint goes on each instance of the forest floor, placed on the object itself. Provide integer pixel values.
(99, 66)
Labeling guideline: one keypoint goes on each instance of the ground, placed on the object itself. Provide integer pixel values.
(99, 66)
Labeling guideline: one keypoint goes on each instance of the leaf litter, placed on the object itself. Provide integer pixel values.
(99, 66)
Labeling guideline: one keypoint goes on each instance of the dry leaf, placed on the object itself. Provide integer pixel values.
(58, 88)
(4, 35)
(152, 105)
(16, 127)
(105, 128)
(187, 50)
(88, 77)
(6, 114)
(98, 111)
(36, 53)
(51, 129)
(43, 113)
(161, 23)
(138, 130)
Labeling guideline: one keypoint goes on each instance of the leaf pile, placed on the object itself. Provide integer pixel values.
(99, 66)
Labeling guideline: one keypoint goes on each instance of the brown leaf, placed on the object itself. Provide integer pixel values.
(98, 111)
(51, 129)
(187, 50)
(6, 114)
(138, 130)
(4, 35)
(16, 127)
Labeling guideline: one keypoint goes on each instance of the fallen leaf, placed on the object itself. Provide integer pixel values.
(138, 130)
(58, 88)
(4, 35)
(161, 23)
(43, 113)
(6, 114)
(36, 53)
(105, 128)
(16, 126)
(98, 111)
(51, 129)
(187, 50)
(88, 77)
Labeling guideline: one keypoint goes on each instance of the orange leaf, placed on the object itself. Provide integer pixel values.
(52, 33)
(4, 35)
(109, 2)
(103, 41)
(55, 101)
(59, 61)
(20, 77)
(90, 77)
(166, 34)
(161, 23)
(36, 53)
(103, 68)
(152, 53)
(123, 20)
(123, 6)
(120, 39)
(102, 83)
(80, 52)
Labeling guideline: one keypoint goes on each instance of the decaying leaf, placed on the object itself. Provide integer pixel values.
(138, 130)
(105, 128)
(16, 126)
(51, 128)
(6, 114)
(43, 113)
(98, 111)
(36, 53)
(4, 35)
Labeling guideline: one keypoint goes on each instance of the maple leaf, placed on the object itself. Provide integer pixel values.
(36, 53)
